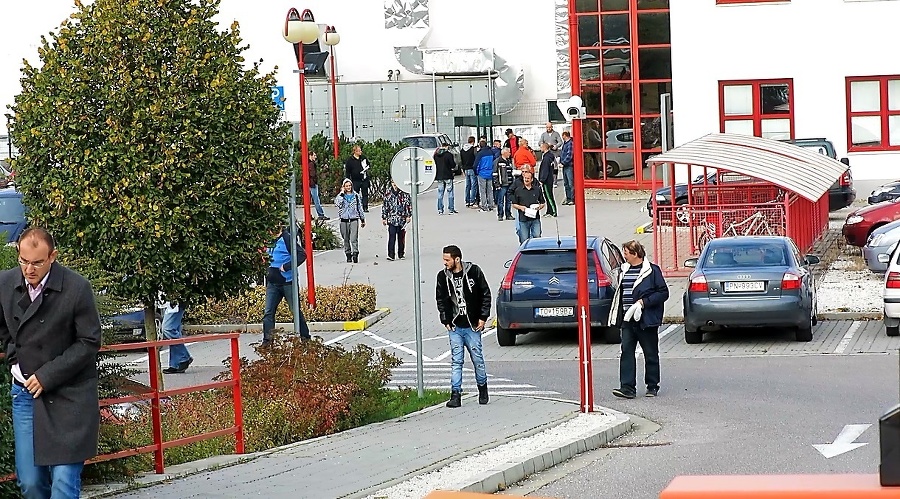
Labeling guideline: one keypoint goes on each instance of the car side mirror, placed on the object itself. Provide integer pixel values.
(690, 263)
(884, 258)
(846, 161)
(507, 264)
(811, 259)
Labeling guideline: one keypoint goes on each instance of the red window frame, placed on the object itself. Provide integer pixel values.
(884, 113)
(757, 116)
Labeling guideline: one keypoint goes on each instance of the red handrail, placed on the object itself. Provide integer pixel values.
(159, 444)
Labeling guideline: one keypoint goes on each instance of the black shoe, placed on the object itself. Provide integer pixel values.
(180, 369)
(499, 219)
(652, 392)
(510, 218)
(402, 257)
(622, 394)
(349, 258)
(355, 257)
(455, 400)
(365, 210)
(265, 344)
(324, 218)
(482, 394)
(390, 259)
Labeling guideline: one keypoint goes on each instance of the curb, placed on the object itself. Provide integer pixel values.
(335, 326)
(506, 474)
(823, 316)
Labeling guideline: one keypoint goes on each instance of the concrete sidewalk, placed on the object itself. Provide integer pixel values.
(361, 461)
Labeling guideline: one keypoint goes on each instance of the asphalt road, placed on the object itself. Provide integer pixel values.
(743, 415)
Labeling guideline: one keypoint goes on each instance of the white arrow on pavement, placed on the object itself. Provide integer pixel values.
(845, 442)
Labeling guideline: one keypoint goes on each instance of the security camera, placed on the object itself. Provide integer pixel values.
(573, 108)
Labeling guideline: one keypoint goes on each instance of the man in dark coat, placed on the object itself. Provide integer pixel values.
(356, 168)
(50, 331)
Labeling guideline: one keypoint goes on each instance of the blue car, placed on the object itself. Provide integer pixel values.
(12, 214)
(753, 281)
(538, 291)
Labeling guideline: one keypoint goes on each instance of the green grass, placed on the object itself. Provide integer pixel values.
(397, 403)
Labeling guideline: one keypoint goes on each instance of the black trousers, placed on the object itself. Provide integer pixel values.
(363, 189)
(397, 234)
(632, 334)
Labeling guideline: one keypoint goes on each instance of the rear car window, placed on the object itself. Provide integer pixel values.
(12, 210)
(549, 262)
(752, 255)
(423, 142)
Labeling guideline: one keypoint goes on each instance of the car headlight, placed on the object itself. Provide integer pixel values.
(854, 219)
(874, 240)
(661, 199)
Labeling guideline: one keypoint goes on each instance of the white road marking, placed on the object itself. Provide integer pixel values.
(413, 342)
(143, 359)
(845, 441)
(848, 337)
(341, 337)
(393, 344)
(666, 331)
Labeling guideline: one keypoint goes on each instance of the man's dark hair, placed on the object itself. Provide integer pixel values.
(39, 233)
(453, 251)
(566, 134)
(497, 141)
(471, 139)
(635, 248)
(483, 143)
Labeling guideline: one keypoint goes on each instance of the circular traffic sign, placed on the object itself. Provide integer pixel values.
(411, 160)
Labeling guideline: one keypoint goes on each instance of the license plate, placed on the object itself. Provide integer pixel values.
(554, 312)
(745, 286)
(137, 332)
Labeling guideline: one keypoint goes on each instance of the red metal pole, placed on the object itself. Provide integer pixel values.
(155, 413)
(236, 395)
(583, 312)
(334, 117)
(307, 215)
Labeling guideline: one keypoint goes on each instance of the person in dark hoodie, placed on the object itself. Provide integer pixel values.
(357, 170)
(467, 156)
(545, 177)
(503, 181)
(484, 166)
(464, 304)
(444, 165)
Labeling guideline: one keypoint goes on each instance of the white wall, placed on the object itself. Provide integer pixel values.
(818, 43)
(365, 53)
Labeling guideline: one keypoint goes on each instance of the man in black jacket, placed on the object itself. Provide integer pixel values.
(464, 303)
(547, 179)
(467, 156)
(444, 165)
(357, 170)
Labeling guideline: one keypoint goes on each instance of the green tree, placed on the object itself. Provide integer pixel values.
(148, 145)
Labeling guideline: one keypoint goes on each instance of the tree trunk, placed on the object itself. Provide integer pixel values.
(152, 334)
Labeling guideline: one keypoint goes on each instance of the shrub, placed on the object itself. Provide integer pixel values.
(324, 235)
(347, 302)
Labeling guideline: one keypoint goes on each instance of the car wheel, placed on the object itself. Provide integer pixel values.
(682, 212)
(804, 332)
(612, 169)
(893, 330)
(693, 336)
(506, 337)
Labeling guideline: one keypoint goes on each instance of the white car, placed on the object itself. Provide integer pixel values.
(892, 295)
(617, 162)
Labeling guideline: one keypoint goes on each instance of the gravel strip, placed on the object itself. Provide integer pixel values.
(471, 466)
(843, 288)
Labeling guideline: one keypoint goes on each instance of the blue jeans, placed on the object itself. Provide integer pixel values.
(274, 294)
(445, 185)
(61, 481)
(171, 328)
(504, 203)
(528, 229)
(314, 194)
(569, 182)
(462, 339)
(632, 334)
(471, 187)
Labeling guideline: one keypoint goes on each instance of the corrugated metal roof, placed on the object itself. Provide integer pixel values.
(799, 170)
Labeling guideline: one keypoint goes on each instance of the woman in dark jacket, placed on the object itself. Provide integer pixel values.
(638, 307)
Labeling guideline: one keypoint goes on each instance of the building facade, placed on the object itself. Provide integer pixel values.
(790, 70)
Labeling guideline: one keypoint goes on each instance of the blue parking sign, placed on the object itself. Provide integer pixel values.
(278, 97)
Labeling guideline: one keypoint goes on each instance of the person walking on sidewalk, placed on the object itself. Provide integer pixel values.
(503, 181)
(357, 170)
(484, 162)
(280, 285)
(529, 200)
(179, 357)
(444, 165)
(545, 177)
(567, 160)
(396, 212)
(314, 185)
(352, 215)
(638, 307)
(50, 332)
(464, 304)
(467, 156)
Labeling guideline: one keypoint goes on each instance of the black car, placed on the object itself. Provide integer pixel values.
(538, 291)
(128, 326)
(886, 192)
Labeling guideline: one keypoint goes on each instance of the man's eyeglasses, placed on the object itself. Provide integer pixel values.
(38, 264)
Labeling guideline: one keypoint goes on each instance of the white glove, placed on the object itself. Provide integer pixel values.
(632, 310)
(638, 312)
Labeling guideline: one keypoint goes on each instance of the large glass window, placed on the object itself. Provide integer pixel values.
(873, 113)
(763, 108)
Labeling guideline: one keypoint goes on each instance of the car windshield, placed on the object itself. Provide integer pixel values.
(12, 210)
(423, 142)
(547, 262)
(748, 255)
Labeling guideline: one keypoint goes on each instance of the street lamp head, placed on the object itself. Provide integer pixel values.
(300, 28)
(332, 37)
